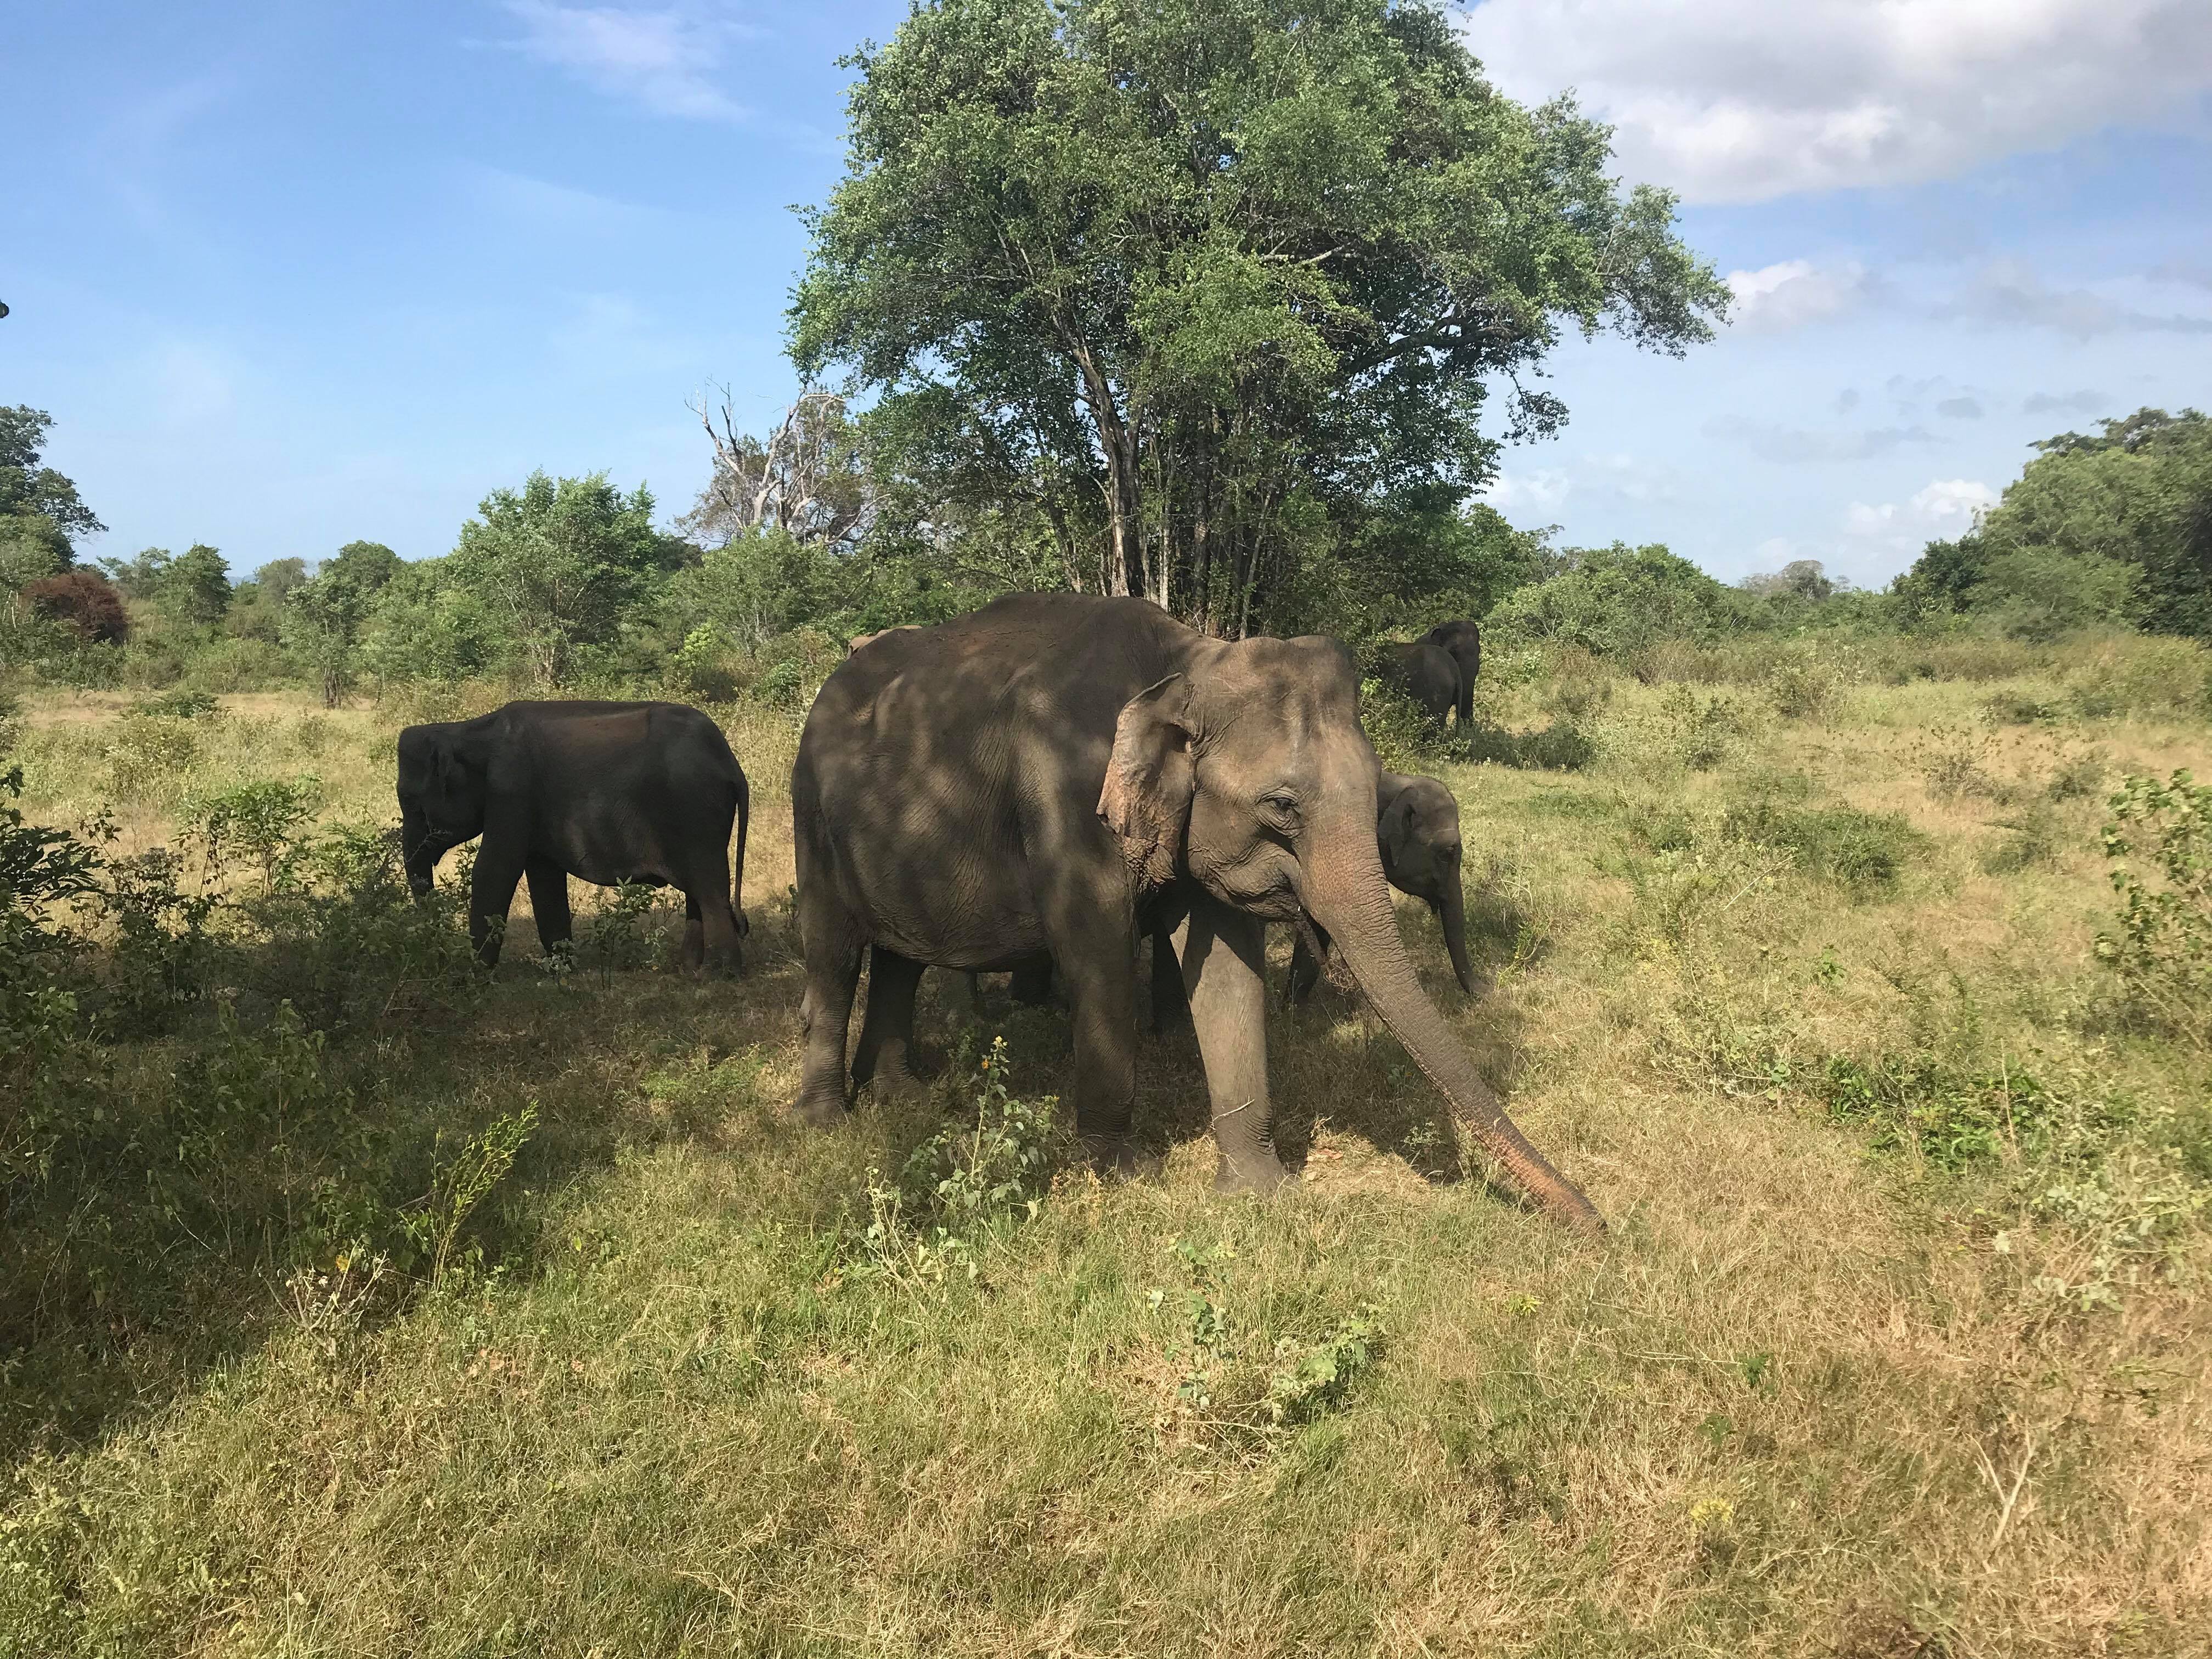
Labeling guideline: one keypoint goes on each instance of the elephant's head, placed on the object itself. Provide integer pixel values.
(441, 800)
(1418, 835)
(1248, 773)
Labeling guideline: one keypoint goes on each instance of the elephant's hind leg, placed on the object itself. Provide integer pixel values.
(694, 935)
(548, 903)
(887, 1030)
(833, 945)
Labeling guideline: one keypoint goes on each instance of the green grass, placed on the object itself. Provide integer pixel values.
(444, 1317)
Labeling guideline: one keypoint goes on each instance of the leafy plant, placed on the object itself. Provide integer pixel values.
(962, 1186)
(259, 820)
(2162, 952)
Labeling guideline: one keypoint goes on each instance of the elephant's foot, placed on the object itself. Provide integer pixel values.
(1259, 1173)
(891, 1080)
(1117, 1157)
(728, 962)
(822, 1108)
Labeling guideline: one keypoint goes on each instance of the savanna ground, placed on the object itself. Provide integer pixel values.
(363, 1306)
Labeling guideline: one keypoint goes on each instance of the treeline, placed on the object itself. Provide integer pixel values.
(567, 583)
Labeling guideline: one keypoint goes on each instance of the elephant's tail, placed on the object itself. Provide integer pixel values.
(738, 859)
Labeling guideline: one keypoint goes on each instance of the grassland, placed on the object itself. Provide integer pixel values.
(464, 1318)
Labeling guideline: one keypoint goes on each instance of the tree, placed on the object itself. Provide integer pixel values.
(560, 563)
(195, 587)
(1617, 599)
(804, 479)
(323, 618)
(28, 490)
(1198, 277)
(1801, 578)
(2113, 529)
(85, 601)
(277, 578)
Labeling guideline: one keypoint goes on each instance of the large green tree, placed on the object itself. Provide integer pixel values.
(323, 617)
(39, 508)
(1189, 280)
(560, 563)
(2114, 527)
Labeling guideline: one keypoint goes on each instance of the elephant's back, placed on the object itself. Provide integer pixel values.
(937, 764)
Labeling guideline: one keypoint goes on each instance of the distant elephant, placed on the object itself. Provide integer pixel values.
(1416, 834)
(606, 792)
(1461, 642)
(1424, 672)
(1056, 774)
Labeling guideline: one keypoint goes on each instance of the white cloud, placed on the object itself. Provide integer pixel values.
(1789, 446)
(2008, 295)
(1739, 101)
(1954, 503)
(665, 59)
(1944, 508)
(2071, 403)
(1794, 293)
(1546, 487)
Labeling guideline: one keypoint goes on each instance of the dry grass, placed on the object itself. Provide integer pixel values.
(1809, 1397)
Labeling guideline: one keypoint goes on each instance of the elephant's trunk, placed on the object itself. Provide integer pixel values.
(1452, 912)
(1347, 897)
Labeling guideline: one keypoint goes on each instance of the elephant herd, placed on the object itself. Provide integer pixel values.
(1035, 788)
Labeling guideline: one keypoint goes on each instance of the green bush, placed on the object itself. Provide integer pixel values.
(2162, 952)
(1864, 853)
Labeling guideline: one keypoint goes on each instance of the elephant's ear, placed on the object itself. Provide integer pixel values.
(453, 771)
(1393, 834)
(1149, 780)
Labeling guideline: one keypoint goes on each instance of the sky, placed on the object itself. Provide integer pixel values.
(287, 275)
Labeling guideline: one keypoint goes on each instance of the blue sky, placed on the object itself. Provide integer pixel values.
(290, 275)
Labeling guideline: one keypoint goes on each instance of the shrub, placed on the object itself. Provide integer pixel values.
(1864, 853)
(2162, 952)
(86, 602)
(962, 1186)
(1804, 686)
(257, 820)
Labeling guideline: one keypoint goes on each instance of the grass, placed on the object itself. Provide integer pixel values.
(1897, 1346)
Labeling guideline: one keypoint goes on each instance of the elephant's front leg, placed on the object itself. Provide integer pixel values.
(491, 894)
(548, 903)
(1224, 957)
(1101, 976)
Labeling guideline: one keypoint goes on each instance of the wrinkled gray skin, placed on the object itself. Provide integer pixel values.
(606, 792)
(1461, 642)
(1424, 672)
(1417, 834)
(1052, 776)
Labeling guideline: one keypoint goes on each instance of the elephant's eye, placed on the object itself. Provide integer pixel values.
(1281, 805)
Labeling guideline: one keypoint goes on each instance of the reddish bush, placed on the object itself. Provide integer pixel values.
(84, 599)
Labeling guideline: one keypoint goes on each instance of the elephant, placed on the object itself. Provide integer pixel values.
(606, 792)
(1461, 642)
(1055, 776)
(1426, 673)
(1416, 834)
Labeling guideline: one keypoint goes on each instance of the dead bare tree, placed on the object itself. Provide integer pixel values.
(806, 478)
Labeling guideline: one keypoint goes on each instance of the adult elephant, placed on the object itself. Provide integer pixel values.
(1417, 837)
(1460, 640)
(1055, 775)
(607, 792)
(1424, 672)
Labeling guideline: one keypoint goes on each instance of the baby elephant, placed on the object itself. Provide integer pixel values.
(1417, 831)
(607, 792)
